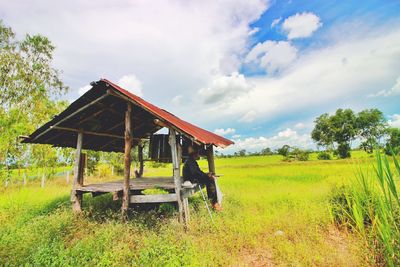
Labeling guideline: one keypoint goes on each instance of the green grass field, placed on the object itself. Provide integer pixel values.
(275, 213)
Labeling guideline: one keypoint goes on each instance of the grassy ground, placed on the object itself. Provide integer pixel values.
(275, 213)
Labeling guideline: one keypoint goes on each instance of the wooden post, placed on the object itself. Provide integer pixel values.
(127, 160)
(176, 171)
(76, 197)
(82, 165)
(25, 178)
(67, 178)
(210, 159)
(140, 158)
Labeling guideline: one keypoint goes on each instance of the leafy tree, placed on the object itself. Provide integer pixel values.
(284, 150)
(324, 155)
(323, 132)
(340, 129)
(372, 126)
(393, 142)
(299, 154)
(266, 151)
(28, 88)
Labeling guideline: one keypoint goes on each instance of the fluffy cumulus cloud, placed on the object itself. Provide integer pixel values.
(178, 46)
(301, 25)
(225, 88)
(131, 83)
(273, 56)
(319, 80)
(394, 121)
(286, 137)
(222, 131)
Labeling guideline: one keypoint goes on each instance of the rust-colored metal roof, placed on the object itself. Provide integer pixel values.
(199, 134)
(100, 114)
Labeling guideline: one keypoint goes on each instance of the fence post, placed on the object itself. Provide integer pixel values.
(43, 178)
(6, 182)
(67, 179)
(24, 178)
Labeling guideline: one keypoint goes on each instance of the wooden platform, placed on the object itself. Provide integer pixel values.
(135, 184)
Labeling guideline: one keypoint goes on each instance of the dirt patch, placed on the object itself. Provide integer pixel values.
(255, 257)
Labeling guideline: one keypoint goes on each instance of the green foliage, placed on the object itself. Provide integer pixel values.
(28, 85)
(284, 150)
(267, 151)
(300, 154)
(324, 155)
(393, 142)
(262, 195)
(372, 126)
(371, 207)
(343, 127)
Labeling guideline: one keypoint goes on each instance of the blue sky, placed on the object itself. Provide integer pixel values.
(255, 71)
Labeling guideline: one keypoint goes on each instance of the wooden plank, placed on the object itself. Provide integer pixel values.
(127, 159)
(188, 192)
(76, 197)
(154, 198)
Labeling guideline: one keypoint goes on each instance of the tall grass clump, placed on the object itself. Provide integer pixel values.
(370, 206)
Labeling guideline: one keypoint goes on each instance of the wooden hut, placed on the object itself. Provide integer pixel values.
(109, 118)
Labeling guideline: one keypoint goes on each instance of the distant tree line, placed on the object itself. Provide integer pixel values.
(288, 152)
(336, 132)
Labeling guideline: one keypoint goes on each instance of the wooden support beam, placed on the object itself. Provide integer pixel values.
(76, 197)
(176, 171)
(74, 113)
(127, 159)
(210, 159)
(87, 132)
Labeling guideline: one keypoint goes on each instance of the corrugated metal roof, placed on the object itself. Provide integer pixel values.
(199, 134)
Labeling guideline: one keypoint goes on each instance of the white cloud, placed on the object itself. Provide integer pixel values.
(236, 136)
(276, 22)
(224, 88)
(319, 80)
(250, 116)
(273, 56)
(394, 121)
(254, 31)
(84, 89)
(177, 100)
(395, 90)
(301, 25)
(168, 55)
(287, 137)
(131, 83)
(300, 126)
(227, 131)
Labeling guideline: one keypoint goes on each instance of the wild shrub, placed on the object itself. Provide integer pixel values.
(323, 155)
(370, 206)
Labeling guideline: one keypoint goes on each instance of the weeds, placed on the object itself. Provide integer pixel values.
(370, 206)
